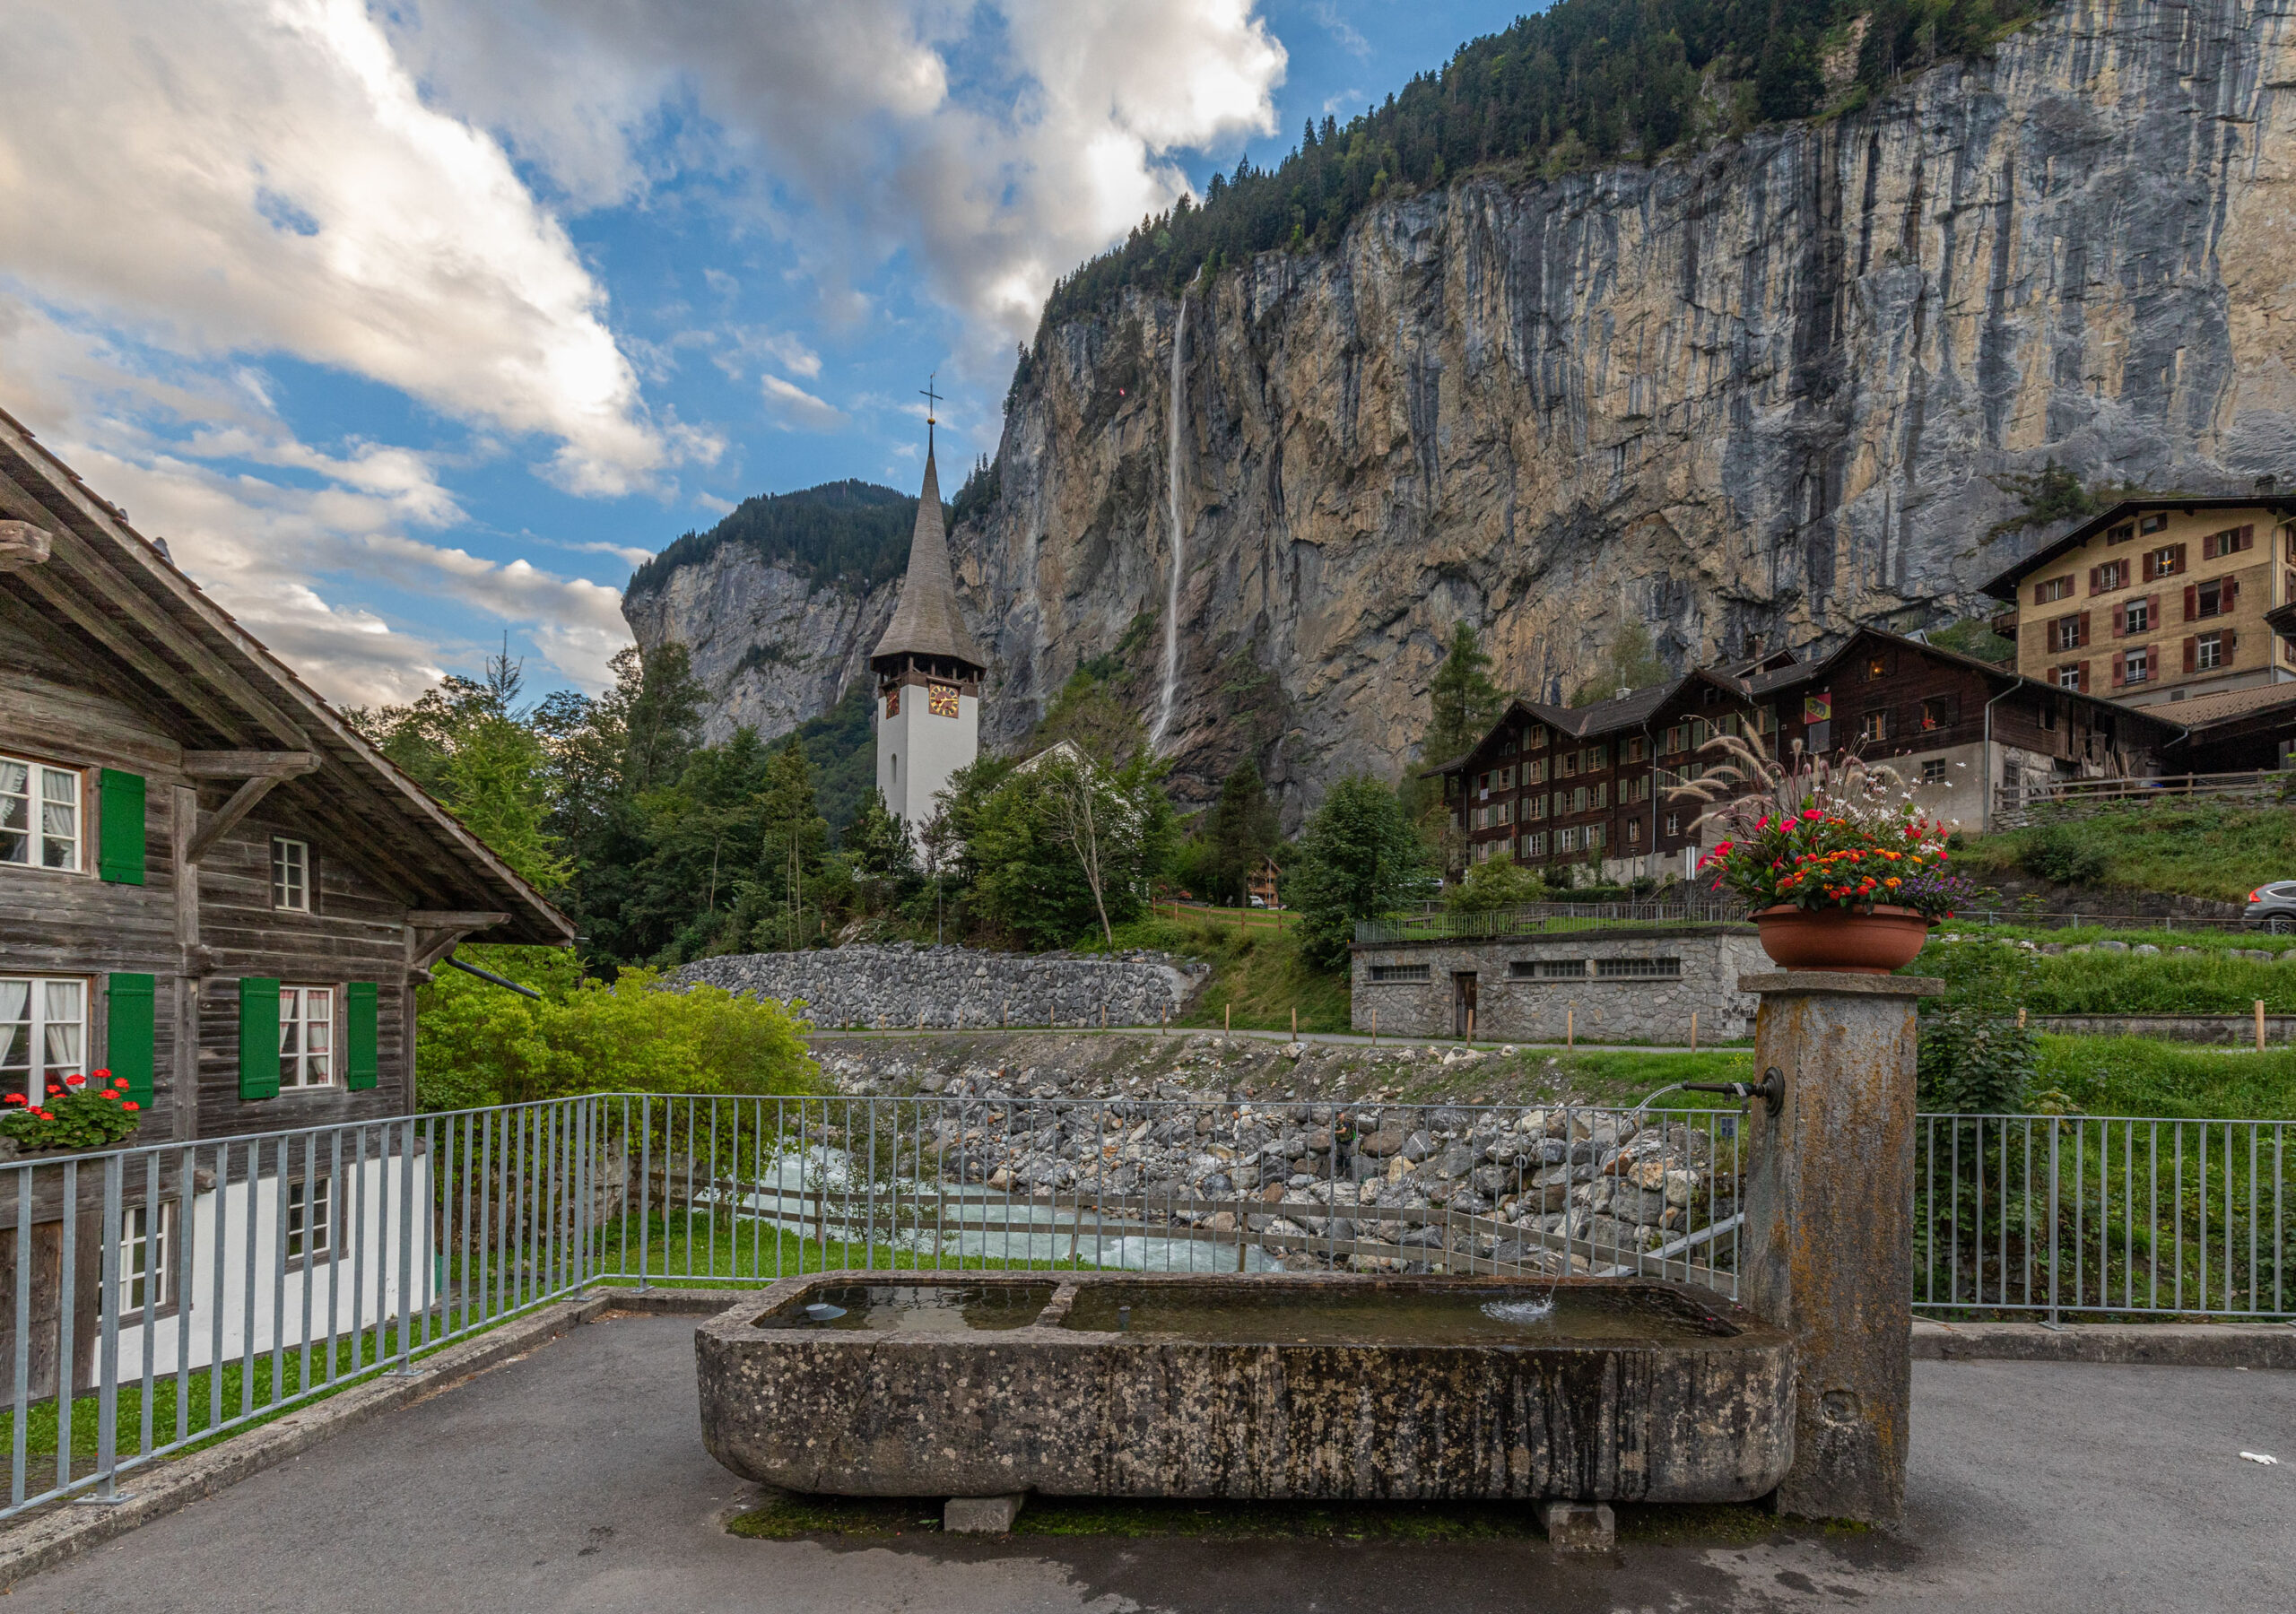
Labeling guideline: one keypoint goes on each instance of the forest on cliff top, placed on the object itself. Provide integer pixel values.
(1586, 81)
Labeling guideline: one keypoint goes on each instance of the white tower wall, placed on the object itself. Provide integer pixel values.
(916, 751)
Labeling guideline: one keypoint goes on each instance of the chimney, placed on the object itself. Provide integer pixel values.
(1623, 693)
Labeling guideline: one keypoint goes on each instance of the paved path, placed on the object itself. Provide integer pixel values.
(574, 1480)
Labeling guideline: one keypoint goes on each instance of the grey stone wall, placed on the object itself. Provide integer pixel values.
(1538, 1009)
(956, 987)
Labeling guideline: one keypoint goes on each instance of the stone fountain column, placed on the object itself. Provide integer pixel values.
(1827, 1253)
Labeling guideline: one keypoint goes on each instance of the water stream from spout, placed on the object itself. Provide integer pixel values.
(1178, 420)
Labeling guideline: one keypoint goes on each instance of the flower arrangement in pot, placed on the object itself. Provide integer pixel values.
(80, 1112)
(1835, 862)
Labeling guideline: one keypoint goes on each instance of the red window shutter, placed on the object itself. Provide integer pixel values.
(2121, 620)
(2232, 646)
(2094, 573)
(2178, 562)
(2192, 602)
(2208, 547)
(2247, 535)
(2192, 654)
(2231, 595)
(2115, 664)
(2039, 599)
(2080, 678)
(2082, 629)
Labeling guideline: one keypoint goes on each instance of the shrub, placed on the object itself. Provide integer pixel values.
(1500, 883)
(480, 1045)
(2061, 855)
(1973, 1056)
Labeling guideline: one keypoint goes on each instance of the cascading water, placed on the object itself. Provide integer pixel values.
(1176, 421)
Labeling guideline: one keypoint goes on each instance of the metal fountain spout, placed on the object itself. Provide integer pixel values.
(1770, 1089)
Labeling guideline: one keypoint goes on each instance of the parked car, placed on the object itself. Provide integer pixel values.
(2273, 907)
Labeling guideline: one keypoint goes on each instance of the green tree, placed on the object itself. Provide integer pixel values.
(1087, 714)
(878, 842)
(1631, 662)
(1062, 849)
(1242, 830)
(1462, 700)
(1359, 858)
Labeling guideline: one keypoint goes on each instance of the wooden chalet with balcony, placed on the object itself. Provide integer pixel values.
(1553, 787)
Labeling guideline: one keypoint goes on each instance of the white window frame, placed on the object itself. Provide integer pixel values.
(142, 1258)
(2068, 677)
(291, 875)
(40, 1069)
(2137, 666)
(2208, 651)
(296, 1055)
(309, 1235)
(35, 801)
(1933, 771)
(2136, 616)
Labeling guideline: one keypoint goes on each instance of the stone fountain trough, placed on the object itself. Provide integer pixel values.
(1310, 1386)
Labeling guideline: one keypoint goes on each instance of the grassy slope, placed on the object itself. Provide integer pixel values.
(2218, 850)
(1257, 971)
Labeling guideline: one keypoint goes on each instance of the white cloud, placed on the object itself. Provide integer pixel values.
(1343, 32)
(278, 553)
(796, 409)
(231, 177)
(1001, 141)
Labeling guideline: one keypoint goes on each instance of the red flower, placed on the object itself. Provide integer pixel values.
(54, 1088)
(44, 1115)
(131, 1104)
(13, 1098)
(100, 1074)
(75, 1082)
(120, 1082)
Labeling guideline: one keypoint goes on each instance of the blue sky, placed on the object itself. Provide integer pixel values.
(412, 325)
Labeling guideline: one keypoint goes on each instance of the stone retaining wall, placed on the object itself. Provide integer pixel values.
(1545, 1003)
(958, 987)
(2237, 1029)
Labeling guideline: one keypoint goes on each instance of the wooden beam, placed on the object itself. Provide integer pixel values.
(174, 683)
(437, 919)
(244, 801)
(249, 764)
(430, 936)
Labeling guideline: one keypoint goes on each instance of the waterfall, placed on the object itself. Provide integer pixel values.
(1177, 421)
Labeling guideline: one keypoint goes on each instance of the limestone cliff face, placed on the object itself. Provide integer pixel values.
(1758, 390)
(773, 648)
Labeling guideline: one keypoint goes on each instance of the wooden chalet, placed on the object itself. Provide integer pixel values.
(1552, 786)
(210, 883)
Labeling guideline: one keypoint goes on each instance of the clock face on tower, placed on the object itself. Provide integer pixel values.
(892, 701)
(941, 699)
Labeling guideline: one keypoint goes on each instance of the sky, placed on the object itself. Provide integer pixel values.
(413, 328)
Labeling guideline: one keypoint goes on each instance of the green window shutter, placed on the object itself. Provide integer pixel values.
(129, 1022)
(119, 855)
(360, 1065)
(259, 1037)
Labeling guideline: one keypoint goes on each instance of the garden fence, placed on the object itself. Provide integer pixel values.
(154, 1298)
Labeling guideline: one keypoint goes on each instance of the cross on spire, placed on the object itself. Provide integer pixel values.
(931, 399)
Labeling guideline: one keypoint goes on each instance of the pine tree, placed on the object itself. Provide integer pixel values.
(1463, 701)
(1243, 830)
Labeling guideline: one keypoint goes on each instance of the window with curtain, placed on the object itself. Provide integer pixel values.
(306, 1037)
(43, 1033)
(39, 815)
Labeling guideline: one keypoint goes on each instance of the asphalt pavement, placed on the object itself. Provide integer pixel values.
(573, 1479)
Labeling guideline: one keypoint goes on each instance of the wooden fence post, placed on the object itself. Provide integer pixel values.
(1226, 1017)
(2259, 1025)
(1569, 1027)
(1693, 1030)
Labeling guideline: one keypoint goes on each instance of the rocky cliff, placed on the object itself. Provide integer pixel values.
(773, 648)
(1758, 391)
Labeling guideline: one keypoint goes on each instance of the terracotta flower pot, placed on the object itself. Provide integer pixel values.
(1870, 940)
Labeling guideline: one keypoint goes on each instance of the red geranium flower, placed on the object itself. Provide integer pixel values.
(131, 1104)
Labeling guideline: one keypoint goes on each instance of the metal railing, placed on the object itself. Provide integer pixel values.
(1541, 918)
(153, 1299)
(2049, 1215)
(160, 1297)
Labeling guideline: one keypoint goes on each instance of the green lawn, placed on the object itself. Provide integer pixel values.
(2195, 848)
(2132, 1076)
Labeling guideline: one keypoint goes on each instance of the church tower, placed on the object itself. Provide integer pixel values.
(928, 672)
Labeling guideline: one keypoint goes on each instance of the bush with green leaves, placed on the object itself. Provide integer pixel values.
(2061, 854)
(1500, 883)
(1973, 1056)
(480, 1045)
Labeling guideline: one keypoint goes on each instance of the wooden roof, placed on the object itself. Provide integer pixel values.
(109, 603)
(927, 622)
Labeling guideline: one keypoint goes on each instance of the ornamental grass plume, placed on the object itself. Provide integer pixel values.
(1811, 832)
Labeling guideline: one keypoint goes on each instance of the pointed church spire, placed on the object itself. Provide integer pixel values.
(926, 621)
